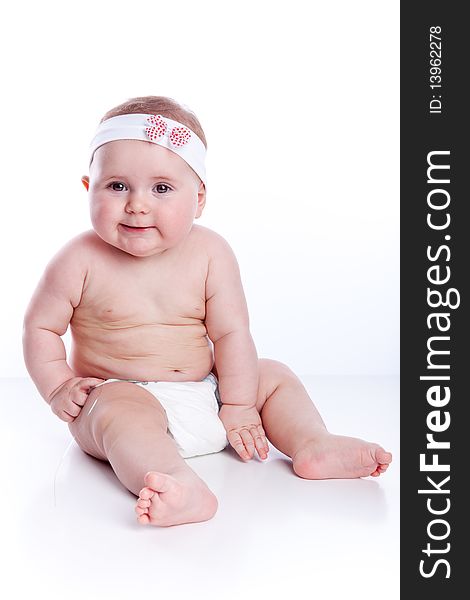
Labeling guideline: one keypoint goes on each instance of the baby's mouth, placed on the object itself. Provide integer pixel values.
(135, 228)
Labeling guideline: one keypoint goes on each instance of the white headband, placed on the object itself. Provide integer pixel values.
(157, 129)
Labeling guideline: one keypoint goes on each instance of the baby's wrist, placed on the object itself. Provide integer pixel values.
(237, 407)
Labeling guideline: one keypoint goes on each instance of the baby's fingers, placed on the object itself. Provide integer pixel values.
(71, 409)
(261, 442)
(81, 391)
(78, 398)
(62, 414)
(238, 443)
(88, 383)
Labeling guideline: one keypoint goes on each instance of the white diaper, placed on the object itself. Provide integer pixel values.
(192, 409)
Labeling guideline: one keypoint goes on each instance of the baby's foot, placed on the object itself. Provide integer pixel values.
(169, 501)
(339, 457)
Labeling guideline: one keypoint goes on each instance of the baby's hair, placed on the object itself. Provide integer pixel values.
(159, 105)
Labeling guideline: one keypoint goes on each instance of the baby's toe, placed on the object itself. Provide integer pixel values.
(143, 503)
(143, 519)
(382, 457)
(146, 493)
(140, 511)
(159, 481)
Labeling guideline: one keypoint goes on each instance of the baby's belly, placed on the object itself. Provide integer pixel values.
(143, 352)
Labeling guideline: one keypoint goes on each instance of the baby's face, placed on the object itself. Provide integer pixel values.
(143, 198)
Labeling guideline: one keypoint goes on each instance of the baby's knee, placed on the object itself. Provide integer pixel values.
(275, 371)
(121, 403)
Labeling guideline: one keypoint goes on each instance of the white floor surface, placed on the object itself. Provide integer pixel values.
(69, 531)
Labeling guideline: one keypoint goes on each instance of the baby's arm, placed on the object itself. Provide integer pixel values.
(46, 320)
(227, 324)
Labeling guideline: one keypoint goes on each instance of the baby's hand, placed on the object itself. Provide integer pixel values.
(68, 400)
(244, 430)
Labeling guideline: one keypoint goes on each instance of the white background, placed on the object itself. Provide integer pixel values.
(299, 102)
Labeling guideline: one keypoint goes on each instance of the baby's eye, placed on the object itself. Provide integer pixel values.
(162, 188)
(114, 185)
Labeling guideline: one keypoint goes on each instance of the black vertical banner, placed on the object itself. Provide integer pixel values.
(435, 336)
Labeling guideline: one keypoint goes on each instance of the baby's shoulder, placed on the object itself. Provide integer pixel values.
(209, 241)
(79, 252)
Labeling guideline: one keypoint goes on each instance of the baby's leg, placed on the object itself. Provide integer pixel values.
(294, 426)
(125, 425)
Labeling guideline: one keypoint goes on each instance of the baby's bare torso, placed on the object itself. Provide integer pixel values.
(143, 318)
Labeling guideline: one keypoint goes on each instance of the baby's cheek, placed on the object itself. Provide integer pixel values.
(101, 215)
(174, 225)
(95, 220)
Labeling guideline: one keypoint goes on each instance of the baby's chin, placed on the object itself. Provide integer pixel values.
(140, 250)
(138, 247)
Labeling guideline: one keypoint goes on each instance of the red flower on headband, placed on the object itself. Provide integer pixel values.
(179, 136)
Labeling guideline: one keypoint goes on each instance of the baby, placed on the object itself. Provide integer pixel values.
(163, 366)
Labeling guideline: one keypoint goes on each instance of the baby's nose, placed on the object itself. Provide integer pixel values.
(137, 203)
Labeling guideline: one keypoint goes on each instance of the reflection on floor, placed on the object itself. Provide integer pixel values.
(70, 529)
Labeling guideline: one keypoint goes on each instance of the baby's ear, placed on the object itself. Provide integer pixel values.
(86, 181)
(201, 200)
